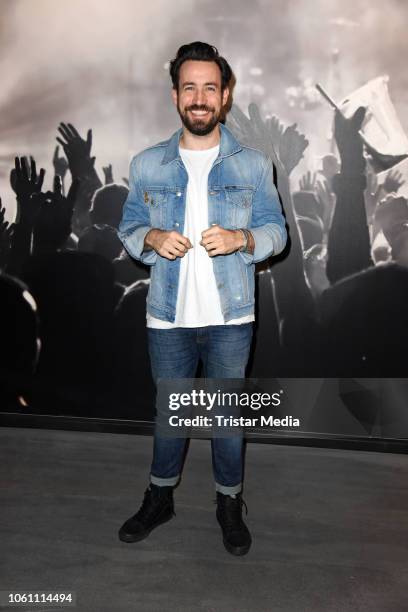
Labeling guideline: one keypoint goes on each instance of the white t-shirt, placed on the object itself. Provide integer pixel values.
(198, 300)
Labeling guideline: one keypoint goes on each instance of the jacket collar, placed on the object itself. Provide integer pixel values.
(228, 145)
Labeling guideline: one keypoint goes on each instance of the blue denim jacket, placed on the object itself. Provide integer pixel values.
(241, 193)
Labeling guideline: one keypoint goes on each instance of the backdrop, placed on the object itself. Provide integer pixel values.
(331, 309)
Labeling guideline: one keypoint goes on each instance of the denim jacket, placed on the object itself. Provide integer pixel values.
(241, 193)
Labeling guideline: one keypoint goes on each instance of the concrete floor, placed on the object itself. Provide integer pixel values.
(329, 528)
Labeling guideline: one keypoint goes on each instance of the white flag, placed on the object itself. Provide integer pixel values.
(381, 127)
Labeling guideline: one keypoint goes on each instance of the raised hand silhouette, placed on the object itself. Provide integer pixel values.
(393, 181)
(107, 170)
(25, 182)
(349, 247)
(291, 147)
(275, 128)
(308, 181)
(77, 150)
(60, 164)
(285, 147)
(6, 233)
(253, 131)
(349, 141)
(81, 165)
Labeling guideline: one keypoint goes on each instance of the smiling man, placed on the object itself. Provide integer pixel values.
(200, 119)
(202, 210)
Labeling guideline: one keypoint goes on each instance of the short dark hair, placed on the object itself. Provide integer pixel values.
(202, 52)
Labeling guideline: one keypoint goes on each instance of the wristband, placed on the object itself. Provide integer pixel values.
(245, 235)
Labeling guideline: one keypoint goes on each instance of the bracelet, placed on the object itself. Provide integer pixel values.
(249, 244)
(245, 235)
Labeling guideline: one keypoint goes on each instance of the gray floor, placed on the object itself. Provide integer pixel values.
(329, 528)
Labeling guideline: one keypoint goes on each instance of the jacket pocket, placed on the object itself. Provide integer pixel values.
(238, 202)
(155, 199)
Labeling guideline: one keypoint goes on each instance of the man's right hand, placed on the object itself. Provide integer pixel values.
(168, 244)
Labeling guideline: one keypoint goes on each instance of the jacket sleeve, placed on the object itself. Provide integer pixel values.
(268, 225)
(135, 222)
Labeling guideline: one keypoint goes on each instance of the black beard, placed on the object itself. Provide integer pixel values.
(198, 127)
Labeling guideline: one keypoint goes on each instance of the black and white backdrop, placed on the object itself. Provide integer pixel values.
(331, 308)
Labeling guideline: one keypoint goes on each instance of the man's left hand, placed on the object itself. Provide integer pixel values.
(219, 241)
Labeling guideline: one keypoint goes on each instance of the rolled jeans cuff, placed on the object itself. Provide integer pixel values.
(164, 482)
(225, 490)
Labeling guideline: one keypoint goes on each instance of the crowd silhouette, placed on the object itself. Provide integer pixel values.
(73, 301)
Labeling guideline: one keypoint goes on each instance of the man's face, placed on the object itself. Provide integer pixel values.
(199, 100)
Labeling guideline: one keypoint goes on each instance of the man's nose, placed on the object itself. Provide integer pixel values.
(199, 97)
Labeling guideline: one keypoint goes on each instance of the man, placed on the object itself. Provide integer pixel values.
(201, 211)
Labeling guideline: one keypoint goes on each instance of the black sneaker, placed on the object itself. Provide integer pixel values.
(157, 508)
(236, 537)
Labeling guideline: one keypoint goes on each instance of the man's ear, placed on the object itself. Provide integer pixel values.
(174, 95)
(225, 95)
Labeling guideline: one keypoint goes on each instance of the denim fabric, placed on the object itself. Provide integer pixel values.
(175, 353)
(241, 193)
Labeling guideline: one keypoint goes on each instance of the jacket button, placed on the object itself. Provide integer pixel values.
(212, 192)
(176, 224)
(178, 194)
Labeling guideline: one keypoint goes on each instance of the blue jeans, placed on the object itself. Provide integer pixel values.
(175, 353)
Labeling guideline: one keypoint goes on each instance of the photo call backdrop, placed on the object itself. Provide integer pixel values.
(331, 317)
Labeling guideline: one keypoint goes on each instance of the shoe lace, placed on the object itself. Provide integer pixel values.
(147, 508)
(232, 514)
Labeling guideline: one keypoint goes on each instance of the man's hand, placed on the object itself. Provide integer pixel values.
(168, 244)
(77, 150)
(60, 164)
(25, 182)
(6, 233)
(291, 147)
(108, 172)
(308, 181)
(219, 241)
(393, 181)
(349, 142)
